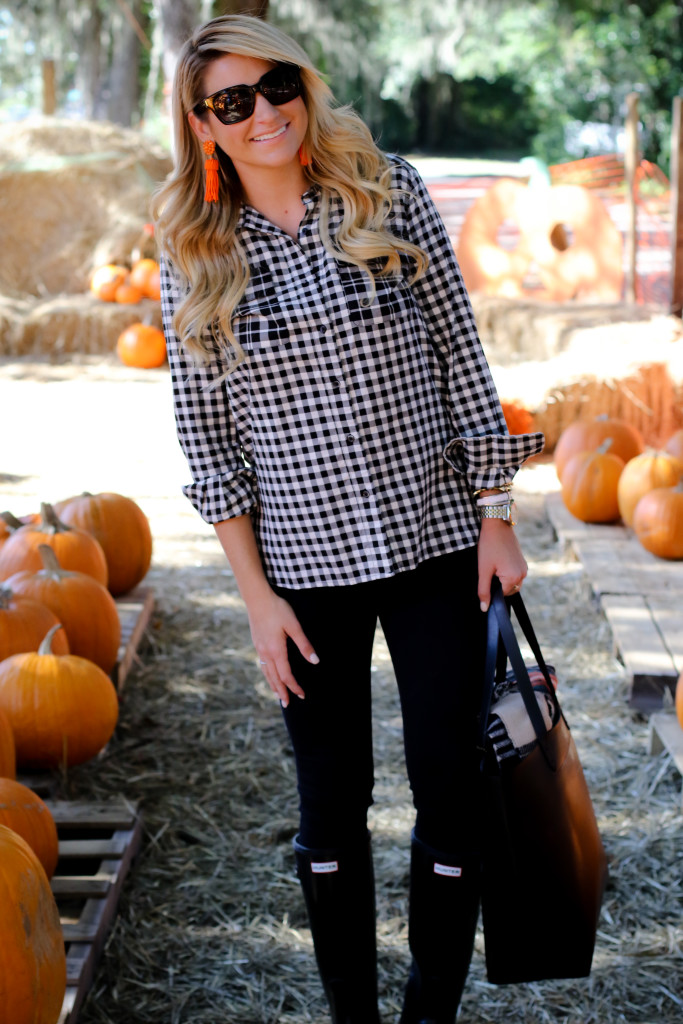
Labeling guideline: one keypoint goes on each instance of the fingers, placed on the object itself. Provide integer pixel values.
(274, 661)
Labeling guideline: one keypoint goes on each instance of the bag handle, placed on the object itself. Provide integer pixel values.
(500, 631)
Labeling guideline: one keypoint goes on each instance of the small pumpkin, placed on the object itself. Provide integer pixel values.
(23, 811)
(518, 419)
(588, 435)
(674, 446)
(33, 960)
(85, 608)
(63, 709)
(75, 549)
(658, 521)
(23, 624)
(121, 528)
(643, 474)
(589, 485)
(8, 751)
(105, 280)
(127, 294)
(145, 275)
(141, 345)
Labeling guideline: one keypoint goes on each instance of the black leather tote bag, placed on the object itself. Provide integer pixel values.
(544, 870)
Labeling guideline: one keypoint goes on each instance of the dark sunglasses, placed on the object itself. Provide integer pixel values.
(237, 102)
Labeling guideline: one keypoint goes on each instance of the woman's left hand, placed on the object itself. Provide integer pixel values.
(499, 555)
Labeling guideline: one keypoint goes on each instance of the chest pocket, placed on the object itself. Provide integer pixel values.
(390, 302)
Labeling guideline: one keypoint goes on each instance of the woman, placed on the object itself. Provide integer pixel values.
(346, 441)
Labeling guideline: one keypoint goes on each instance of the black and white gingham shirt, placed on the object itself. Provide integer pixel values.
(354, 432)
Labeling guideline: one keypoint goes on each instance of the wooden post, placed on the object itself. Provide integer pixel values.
(49, 89)
(631, 161)
(676, 177)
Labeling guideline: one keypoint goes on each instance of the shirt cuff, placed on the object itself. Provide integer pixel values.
(219, 498)
(490, 460)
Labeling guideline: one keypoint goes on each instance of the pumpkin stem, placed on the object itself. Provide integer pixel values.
(605, 446)
(50, 561)
(46, 645)
(5, 595)
(51, 523)
(11, 521)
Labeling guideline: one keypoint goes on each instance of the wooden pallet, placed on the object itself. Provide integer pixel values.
(97, 844)
(641, 596)
(666, 734)
(135, 610)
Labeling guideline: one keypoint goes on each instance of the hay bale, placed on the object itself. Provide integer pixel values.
(73, 194)
(633, 371)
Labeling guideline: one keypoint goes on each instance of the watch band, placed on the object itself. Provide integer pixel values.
(504, 512)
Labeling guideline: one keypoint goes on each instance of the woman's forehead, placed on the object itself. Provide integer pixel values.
(234, 69)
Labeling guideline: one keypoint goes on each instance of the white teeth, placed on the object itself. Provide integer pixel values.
(273, 135)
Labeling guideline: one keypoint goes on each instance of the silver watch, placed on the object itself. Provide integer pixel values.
(505, 512)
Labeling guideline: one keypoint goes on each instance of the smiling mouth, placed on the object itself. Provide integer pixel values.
(271, 135)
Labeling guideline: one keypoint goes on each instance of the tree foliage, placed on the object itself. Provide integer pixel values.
(461, 76)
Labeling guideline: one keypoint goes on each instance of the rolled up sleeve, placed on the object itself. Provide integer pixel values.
(223, 484)
(491, 460)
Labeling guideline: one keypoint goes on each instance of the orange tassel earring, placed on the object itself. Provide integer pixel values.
(211, 166)
(305, 159)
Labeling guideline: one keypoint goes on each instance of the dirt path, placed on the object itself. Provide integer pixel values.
(211, 928)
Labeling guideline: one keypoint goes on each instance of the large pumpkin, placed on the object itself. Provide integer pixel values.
(643, 474)
(141, 345)
(75, 549)
(33, 958)
(85, 608)
(589, 486)
(120, 527)
(658, 521)
(8, 751)
(63, 709)
(24, 623)
(23, 811)
(588, 435)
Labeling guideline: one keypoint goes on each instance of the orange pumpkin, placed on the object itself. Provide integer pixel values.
(8, 751)
(121, 528)
(145, 276)
(589, 486)
(588, 435)
(141, 345)
(75, 549)
(643, 474)
(127, 294)
(105, 280)
(518, 419)
(23, 624)
(33, 960)
(658, 522)
(85, 608)
(63, 709)
(674, 446)
(23, 811)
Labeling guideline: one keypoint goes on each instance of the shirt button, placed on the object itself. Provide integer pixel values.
(350, 439)
(365, 494)
(336, 383)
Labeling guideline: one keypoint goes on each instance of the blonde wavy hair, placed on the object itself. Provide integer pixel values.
(200, 238)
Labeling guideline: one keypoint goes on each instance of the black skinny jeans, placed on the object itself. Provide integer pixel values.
(436, 636)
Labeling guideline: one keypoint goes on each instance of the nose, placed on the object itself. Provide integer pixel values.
(262, 108)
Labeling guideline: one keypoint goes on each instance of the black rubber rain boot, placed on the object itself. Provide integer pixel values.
(339, 890)
(444, 908)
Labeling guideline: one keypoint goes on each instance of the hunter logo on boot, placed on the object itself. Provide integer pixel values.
(324, 867)
(446, 869)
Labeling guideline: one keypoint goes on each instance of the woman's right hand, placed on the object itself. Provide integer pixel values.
(272, 621)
